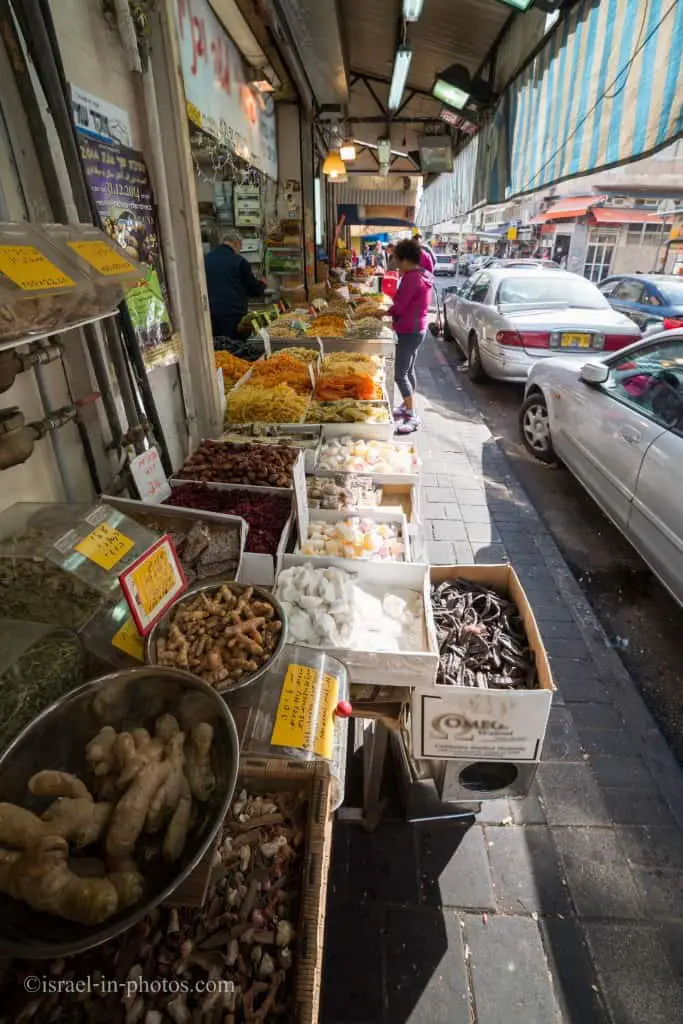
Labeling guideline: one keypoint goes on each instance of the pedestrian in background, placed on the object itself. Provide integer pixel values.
(427, 259)
(409, 314)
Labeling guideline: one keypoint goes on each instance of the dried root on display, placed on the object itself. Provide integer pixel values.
(482, 639)
(77, 859)
(244, 938)
(221, 636)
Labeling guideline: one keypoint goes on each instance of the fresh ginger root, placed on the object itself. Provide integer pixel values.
(165, 728)
(134, 751)
(179, 825)
(130, 813)
(80, 821)
(56, 784)
(19, 827)
(40, 876)
(198, 762)
(166, 798)
(129, 885)
(100, 753)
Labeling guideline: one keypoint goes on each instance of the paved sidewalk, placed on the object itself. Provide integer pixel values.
(564, 907)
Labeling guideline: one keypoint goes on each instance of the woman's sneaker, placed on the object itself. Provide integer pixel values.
(400, 413)
(409, 424)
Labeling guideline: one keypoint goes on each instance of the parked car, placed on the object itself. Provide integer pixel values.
(521, 262)
(445, 263)
(648, 299)
(465, 264)
(617, 423)
(505, 319)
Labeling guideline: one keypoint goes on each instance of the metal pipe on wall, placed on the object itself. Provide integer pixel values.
(42, 39)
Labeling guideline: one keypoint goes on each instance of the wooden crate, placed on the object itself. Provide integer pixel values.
(267, 775)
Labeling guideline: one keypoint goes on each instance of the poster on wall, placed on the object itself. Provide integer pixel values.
(100, 119)
(219, 98)
(122, 191)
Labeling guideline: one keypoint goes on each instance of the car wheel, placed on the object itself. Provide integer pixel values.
(534, 423)
(475, 369)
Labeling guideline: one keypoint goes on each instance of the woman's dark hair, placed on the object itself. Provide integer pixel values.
(407, 250)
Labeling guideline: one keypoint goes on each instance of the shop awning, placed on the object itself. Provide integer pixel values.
(568, 209)
(605, 215)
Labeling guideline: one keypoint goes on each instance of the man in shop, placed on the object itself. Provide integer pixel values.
(391, 257)
(230, 283)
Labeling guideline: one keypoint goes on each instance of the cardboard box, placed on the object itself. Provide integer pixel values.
(383, 668)
(457, 722)
(268, 775)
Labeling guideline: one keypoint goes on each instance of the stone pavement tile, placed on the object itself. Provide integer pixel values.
(446, 529)
(571, 795)
(526, 870)
(611, 742)
(426, 972)
(573, 973)
(552, 609)
(597, 872)
(510, 976)
(562, 741)
(651, 847)
(475, 514)
(661, 890)
(481, 532)
(568, 647)
(603, 717)
(529, 810)
(435, 510)
(440, 552)
(495, 812)
(454, 867)
(642, 806)
(589, 688)
(563, 630)
(519, 543)
(383, 864)
(452, 511)
(464, 554)
(354, 949)
(489, 554)
(629, 772)
(640, 970)
(439, 494)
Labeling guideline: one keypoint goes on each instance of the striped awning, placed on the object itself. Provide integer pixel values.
(621, 215)
(605, 88)
(568, 209)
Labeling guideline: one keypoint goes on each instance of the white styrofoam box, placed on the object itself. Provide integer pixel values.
(471, 724)
(256, 568)
(359, 431)
(369, 431)
(298, 465)
(370, 346)
(383, 668)
(377, 515)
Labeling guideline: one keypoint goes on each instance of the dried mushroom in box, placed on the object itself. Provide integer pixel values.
(482, 639)
(243, 940)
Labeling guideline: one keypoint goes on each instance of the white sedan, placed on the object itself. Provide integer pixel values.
(504, 319)
(617, 424)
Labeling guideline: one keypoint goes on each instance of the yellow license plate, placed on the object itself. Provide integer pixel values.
(575, 341)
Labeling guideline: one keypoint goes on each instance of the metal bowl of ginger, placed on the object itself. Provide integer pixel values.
(227, 634)
(109, 800)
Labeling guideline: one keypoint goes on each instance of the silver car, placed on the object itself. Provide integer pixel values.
(617, 424)
(506, 319)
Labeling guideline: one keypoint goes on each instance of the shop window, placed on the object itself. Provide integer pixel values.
(599, 255)
(634, 235)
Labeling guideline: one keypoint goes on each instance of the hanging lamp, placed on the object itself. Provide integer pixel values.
(333, 163)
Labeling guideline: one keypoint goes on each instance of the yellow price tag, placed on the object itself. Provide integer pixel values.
(105, 546)
(128, 639)
(153, 579)
(193, 113)
(26, 266)
(305, 717)
(102, 257)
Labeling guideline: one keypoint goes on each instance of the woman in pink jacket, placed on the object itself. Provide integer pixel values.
(409, 313)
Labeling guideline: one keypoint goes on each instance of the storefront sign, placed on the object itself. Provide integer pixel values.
(99, 119)
(152, 583)
(219, 100)
(120, 185)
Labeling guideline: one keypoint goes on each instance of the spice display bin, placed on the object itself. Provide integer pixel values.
(307, 438)
(297, 468)
(384, 668)
(374, 515)
(358, 432)
(256, 568)
(59, 562)
(470, 724)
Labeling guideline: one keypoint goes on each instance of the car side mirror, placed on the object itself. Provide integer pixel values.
(594, 373)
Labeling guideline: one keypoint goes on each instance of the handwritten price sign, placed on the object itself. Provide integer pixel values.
(105, 546)
(152, 583)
